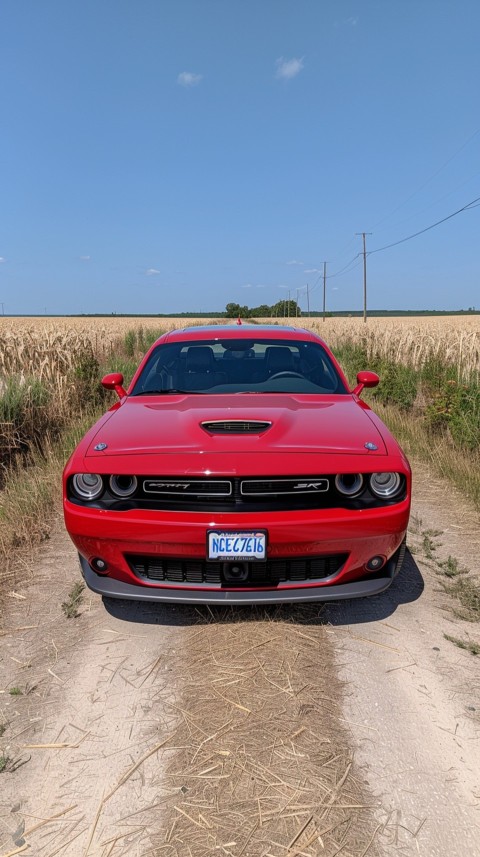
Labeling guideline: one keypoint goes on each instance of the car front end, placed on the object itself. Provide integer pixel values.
(193, 538)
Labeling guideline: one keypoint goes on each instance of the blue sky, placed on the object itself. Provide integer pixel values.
(164, 155)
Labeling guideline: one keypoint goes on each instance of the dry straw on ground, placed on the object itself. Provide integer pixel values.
(261, 768)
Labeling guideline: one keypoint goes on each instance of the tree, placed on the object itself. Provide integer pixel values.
(232, 310)
(286, 309)
(236, 311)
(262, 311)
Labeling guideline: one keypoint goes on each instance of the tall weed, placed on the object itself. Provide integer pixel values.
(449, 409)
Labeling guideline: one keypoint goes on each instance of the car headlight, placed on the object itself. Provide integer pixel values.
(349, 484)
(87, 486)
(385, 484)
(123, 486)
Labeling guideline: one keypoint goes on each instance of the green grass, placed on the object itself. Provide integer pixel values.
(4, 762)
(454, 577)
(451, 567)
(138, 340)
(448, 461)
(75, 598)
(15, 691)
(428, 545)
(30, 498)
(467, 592)
(468, 645)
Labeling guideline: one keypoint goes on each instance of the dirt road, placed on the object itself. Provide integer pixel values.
(351, 729)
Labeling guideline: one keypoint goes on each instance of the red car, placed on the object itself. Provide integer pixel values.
(238, 468)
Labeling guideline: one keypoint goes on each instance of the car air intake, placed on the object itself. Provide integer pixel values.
(269, 573)
(236, 426)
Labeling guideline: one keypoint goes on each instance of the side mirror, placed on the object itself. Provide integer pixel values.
(114, 381)
(365, 379)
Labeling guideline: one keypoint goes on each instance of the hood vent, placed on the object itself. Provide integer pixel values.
(236, 426)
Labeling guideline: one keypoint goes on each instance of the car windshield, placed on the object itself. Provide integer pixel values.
(239, 366)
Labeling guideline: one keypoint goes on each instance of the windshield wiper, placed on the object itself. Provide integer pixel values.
(166, 392)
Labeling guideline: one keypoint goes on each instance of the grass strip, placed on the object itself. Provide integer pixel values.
(461, 468)
(30, 498)
(467, 645)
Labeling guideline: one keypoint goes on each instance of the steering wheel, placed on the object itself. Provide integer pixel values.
(286, 374)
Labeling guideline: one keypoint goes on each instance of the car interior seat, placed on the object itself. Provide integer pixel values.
(278, 359)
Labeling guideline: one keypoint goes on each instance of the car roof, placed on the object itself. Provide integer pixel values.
(240, 331)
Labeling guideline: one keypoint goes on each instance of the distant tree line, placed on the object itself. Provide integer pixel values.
(282, 309)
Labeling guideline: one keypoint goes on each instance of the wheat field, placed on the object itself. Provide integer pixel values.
(47, 347)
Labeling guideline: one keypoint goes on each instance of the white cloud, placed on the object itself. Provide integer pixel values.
(188, 78)
(2, 259)
(347, 22)
(295, 262)
(286, 69)
(85, 258)
(150, 272)
(247, 286)
(312, 271)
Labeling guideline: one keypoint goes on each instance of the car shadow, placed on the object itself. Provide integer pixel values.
(407, 587)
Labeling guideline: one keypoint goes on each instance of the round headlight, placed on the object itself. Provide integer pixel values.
(123, 486)
(385, 484)
(87, 486)
(349, 484)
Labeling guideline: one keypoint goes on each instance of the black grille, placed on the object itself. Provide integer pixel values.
(272, 487)
(269, 573)
(236, 426)
(188, 488)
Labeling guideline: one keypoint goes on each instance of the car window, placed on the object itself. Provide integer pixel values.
(237, 366)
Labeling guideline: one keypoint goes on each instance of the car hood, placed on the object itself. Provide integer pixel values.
(173, 424)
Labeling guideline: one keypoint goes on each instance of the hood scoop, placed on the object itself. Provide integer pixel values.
(235, 426)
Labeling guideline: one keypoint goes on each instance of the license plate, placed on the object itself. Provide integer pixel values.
(237, 546)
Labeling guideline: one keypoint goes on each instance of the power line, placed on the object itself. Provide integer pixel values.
(425, 183)
(339, 273)
(472, 204)
(357, 259)
(344, 270)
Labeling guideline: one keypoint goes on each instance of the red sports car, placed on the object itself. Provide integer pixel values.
(238, 468)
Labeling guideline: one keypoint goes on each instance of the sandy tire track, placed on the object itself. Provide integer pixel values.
(86, 682)
(413, 701)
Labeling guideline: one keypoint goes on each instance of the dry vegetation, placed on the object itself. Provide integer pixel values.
(261, 766)
(452, 340)
(48, 345)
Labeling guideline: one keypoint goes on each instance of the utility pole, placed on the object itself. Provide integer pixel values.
(324, 287)
(3, 307)
(364, 274)
(296, 308)
(308, 301)
(288, 305)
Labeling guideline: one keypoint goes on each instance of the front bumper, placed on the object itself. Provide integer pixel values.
(112, 536)
(111, 588)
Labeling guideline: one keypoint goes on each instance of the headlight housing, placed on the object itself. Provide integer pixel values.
(385, 485)
(123, 486)
(349, 484)
(87, 486)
